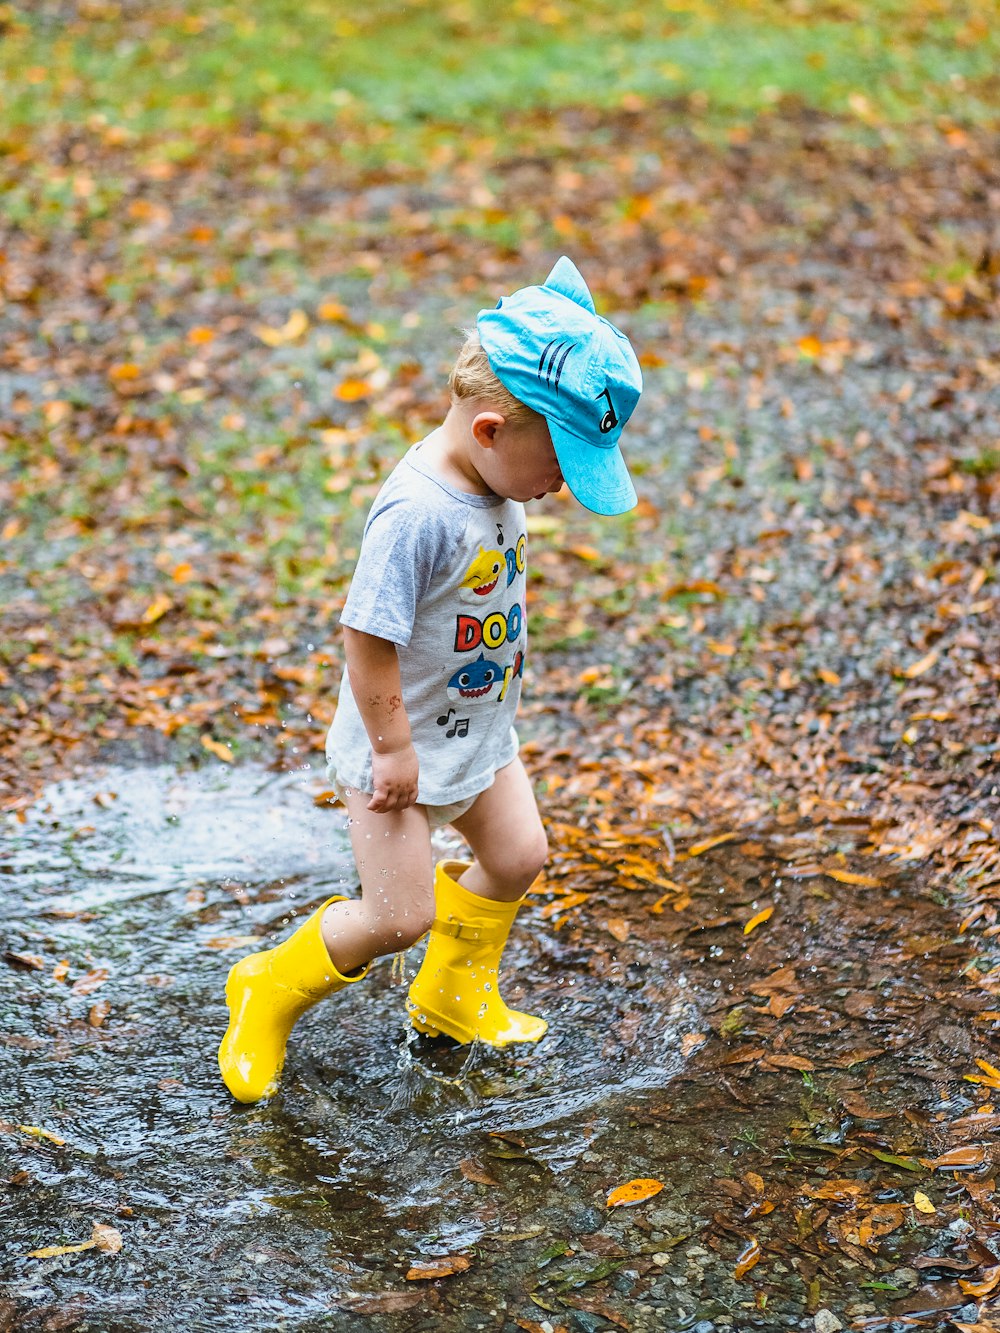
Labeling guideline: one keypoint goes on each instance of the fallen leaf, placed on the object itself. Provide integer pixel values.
(849, 877)
(708, 843)
(387, 1302)
(788, 1061)
(918, 668)
(473, 1169)
(294, 326)
(52, 1251)
(956, 1157)
(232, 941)
(763, 915)
(750, 1256)
(98, 1013)
(634, 1191)
(425, 1270)
(37, 1133)
(217, 748)
(90, 981)
(619, 928)
(922, 1203)
(156, 610)
(691, 1041)
(989, 1282)
(352, 390)
(31, 962)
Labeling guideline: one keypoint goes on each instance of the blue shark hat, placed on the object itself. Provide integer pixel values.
(548, 347)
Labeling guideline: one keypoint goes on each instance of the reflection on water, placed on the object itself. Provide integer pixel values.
(127, 898)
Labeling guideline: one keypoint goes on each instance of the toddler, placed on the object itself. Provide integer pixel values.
(435, 636)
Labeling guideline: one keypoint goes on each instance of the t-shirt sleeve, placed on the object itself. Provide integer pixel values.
(403, 545)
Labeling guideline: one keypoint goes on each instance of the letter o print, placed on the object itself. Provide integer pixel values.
(494, 630)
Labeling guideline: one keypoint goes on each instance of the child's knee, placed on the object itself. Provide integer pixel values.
(526, 859)
(394, 930)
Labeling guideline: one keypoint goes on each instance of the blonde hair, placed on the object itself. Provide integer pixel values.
(472, 377)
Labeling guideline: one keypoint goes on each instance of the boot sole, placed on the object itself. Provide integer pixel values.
(463, 1036)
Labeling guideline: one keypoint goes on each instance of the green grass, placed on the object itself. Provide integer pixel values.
(193, 63)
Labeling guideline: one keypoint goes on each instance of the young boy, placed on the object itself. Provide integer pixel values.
(435, 632)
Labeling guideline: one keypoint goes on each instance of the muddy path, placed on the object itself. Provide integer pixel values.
(794, 1089)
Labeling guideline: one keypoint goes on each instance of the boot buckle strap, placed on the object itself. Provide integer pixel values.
(459, 930)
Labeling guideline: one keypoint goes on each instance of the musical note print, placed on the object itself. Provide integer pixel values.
(460, 727)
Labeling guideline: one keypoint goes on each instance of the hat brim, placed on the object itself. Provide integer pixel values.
(597, 477)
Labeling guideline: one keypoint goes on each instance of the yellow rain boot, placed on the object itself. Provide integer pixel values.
(455, 991)
(267, 993)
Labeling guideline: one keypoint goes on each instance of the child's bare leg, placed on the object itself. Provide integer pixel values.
(393, 856)
(505, 832)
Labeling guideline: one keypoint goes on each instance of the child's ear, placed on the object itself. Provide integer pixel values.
(484, 428)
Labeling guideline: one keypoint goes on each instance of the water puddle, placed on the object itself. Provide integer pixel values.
(128, 896)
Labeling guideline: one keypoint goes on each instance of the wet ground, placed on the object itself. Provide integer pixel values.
(793, 1089)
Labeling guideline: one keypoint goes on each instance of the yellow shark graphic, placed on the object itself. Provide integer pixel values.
(483, 574)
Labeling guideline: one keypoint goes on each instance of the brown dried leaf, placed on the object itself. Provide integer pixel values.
(972, 1155)
(106, 1238)
(473, 1169)
(90, 981)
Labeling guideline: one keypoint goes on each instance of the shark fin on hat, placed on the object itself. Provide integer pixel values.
(567, 279)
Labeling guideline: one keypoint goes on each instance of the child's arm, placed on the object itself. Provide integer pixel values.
(373, 669)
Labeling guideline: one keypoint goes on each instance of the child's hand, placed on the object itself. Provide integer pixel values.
(395, 775)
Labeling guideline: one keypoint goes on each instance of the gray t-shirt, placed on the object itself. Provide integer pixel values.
(441, 574)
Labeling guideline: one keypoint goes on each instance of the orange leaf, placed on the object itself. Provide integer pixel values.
(618, 927)
(199, 335)
(849, 877)
(986, 1067)
(918, 668)
(747, 1259)
(124, 370)
(157, 608)
(758, 920)
(424, 1270)
(294, 327)
(634, 1191)
(332, 311)
(217, 748)
(989, 1282)
(350, 391)
(709, 843)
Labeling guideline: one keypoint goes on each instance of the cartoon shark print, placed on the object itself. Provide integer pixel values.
(476, 680)
(482, 576)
